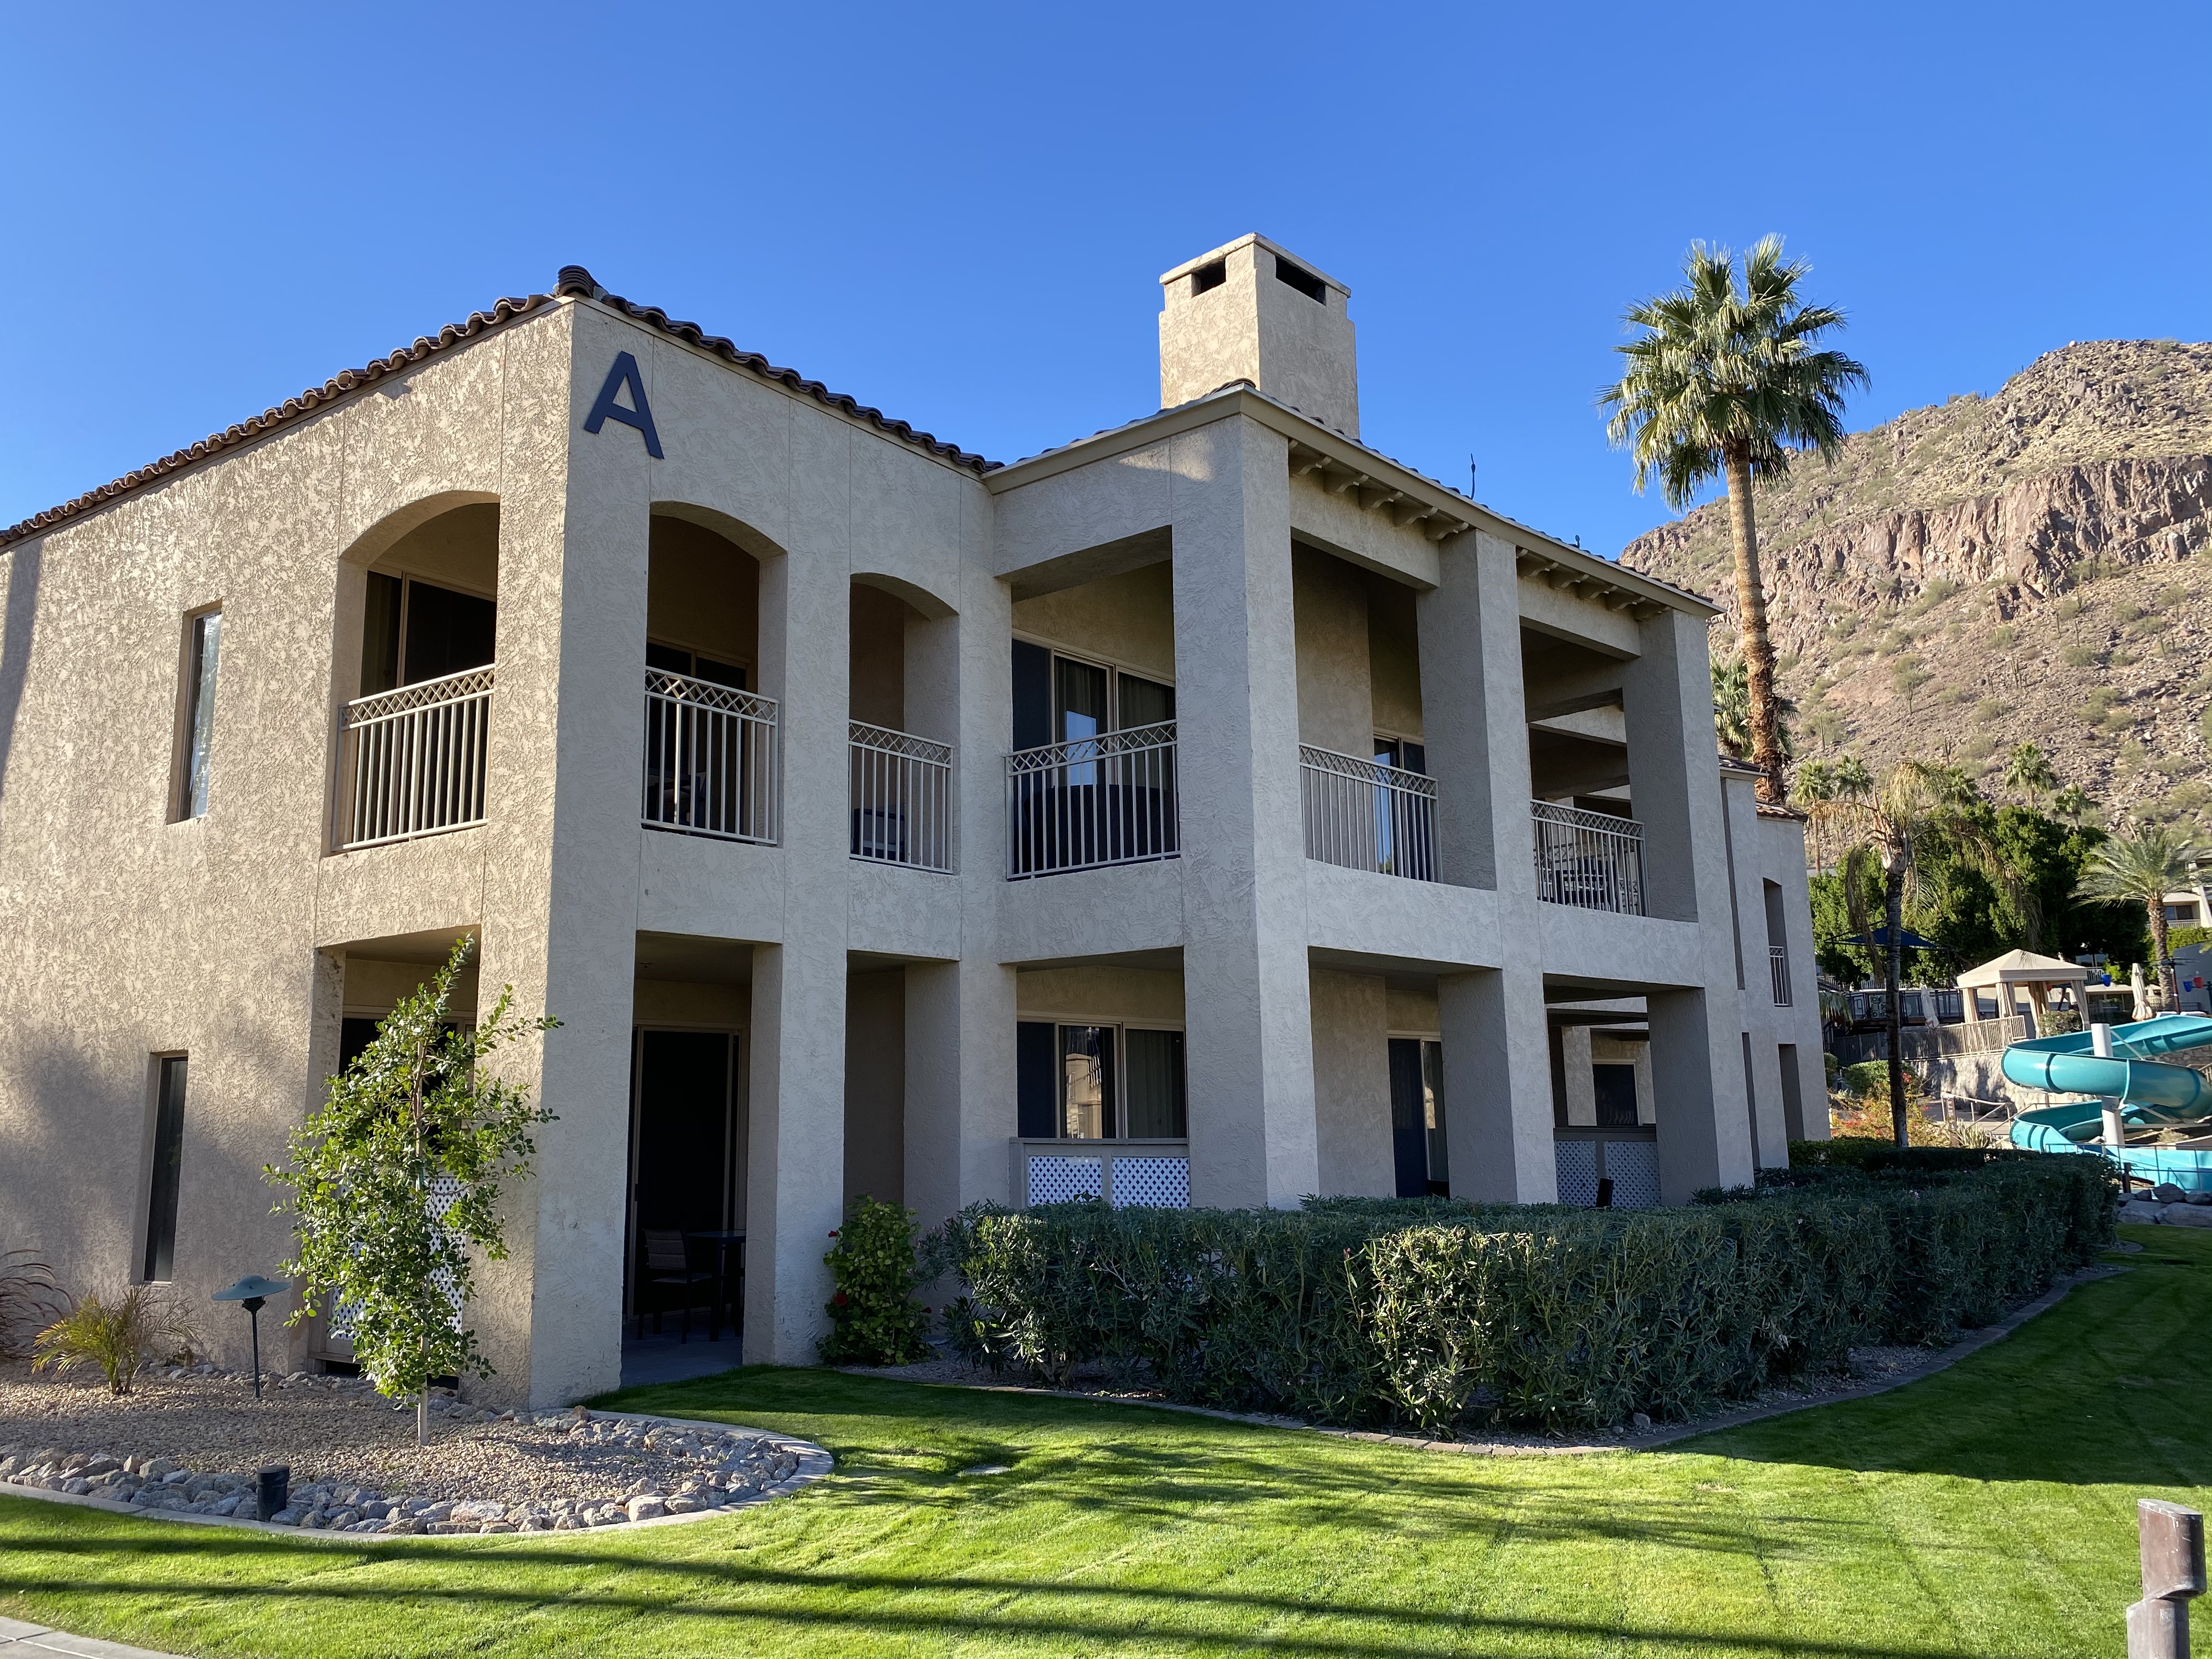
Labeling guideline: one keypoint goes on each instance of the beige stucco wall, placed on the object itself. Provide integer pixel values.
(1351, 1084)
(1127, 620)
(1144, 995)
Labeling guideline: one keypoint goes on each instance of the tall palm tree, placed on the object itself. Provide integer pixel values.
(2145, 867)
(1724, 382)
(2073, 804)
(2028, 772)
(1732, 711)
(1885, 822)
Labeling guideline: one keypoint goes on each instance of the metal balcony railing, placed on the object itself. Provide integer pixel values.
(1589, 860)
(902, 797)
(1778, 958)
(1092, 801)
(411, 760)
(710, 759)
(1365, 816)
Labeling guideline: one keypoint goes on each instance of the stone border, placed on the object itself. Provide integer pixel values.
(1647, 1440)
(813, 1464)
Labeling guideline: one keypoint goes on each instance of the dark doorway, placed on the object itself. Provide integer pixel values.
(1409, 1130)
(1615, 1088)
(684, 1138)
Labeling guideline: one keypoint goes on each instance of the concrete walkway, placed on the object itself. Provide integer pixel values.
(21, 1641)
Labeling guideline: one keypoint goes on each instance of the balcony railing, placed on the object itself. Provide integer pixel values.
(1365, 816)
(1778, 959)
(411, 760)
(1093, 801)
(710, 759)
(902, 797)
(1589, 860)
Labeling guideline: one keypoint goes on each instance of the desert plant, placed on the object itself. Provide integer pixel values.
(1724, 382)
(116, 1334)
(873, 1317)
(2028, 772)
(30, 1300)
(2144, 867)
(397, 1177)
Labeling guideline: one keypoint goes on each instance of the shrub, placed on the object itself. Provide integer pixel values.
(1441, 1313)
(873, 1317)
(140, 1324)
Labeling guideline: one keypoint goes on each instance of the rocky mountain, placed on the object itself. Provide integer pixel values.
(2036, 563)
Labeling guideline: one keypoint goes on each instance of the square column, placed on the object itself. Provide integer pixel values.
(1697, 1080)
(795, 1152)
(1497, 1054)
(559, 913)
(960, 1106)
(1248, 1013)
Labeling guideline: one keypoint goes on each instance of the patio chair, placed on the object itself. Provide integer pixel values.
(668, 1269)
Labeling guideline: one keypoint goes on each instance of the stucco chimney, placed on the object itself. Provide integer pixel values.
(1252, 312)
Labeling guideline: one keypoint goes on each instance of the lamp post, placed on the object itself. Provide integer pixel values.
(253, 1292)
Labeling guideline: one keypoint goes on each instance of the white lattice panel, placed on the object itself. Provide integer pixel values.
(1164, 1181)
(1578, 1163)
(1059, 1179)
(445, 1192)
(1633, 1166)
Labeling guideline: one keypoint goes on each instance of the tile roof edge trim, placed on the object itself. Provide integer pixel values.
(339, 385)
(575, 283)
(1239, 396)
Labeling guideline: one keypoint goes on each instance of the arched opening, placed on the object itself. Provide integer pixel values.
(418, 625)
(710, 734)
(902, 703)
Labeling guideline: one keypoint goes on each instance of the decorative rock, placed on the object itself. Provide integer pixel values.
(2166, 1193)
(481, 1509)
(159, 1469)
(645, 1507)
(684, 1505)
(2187, 1215)
(1639, 1421)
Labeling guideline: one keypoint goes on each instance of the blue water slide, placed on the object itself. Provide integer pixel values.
(2152, 1095)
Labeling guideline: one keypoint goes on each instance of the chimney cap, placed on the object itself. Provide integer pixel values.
(1246, 241)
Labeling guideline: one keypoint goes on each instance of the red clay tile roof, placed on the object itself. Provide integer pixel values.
(575, 282)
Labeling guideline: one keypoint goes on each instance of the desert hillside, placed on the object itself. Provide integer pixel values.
(2029, 565)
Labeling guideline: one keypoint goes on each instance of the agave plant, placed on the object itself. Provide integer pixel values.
(29, 1299)
(116, 1335)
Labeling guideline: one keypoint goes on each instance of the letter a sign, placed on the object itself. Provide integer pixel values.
(638, 415)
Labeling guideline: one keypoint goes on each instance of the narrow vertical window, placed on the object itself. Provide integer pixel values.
(204, 645)
(168, 1149)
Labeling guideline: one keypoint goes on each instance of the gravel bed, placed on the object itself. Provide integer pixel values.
(192, 1440)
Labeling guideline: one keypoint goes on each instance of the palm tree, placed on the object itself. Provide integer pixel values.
(2073, 804)
(2145, 867)
(1732, 711)
(1884, 823)
(2029, 773)
(1724, 382)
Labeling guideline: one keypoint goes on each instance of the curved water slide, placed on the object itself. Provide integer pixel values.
(2153, 1094)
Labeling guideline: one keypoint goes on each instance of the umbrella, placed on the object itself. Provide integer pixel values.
(1879, 939)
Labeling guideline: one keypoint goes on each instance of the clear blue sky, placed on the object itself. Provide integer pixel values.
(958, 213)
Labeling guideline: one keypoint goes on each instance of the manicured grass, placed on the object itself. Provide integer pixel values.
(1986, 1512)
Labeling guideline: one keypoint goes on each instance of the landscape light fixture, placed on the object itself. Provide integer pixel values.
(254, 1291)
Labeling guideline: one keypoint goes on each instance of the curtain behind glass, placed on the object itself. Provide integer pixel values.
(1155, 1085)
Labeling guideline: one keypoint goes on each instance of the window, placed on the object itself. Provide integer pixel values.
(417, 630)
(204, 645)
(1099, 1081)
(680, 660)
(168, 1148)
(1403, 753)
(1059, 699)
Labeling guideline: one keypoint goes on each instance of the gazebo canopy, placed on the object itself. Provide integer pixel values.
(2022, 967)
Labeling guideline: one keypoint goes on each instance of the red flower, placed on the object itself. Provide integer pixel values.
(838, 1300)
(833, 1232)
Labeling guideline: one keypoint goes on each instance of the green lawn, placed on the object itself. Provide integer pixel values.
(1986, 1512)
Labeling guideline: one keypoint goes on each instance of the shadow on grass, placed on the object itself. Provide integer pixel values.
(750, 1603)
(2106, 1388)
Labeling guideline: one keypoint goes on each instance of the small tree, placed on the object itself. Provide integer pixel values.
(397, 1176)
(2073, 804)
(2027, 772)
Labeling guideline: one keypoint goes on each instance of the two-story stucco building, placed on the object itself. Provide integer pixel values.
(1211, 811)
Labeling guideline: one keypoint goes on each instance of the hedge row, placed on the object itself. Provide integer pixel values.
(1439, 1314)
